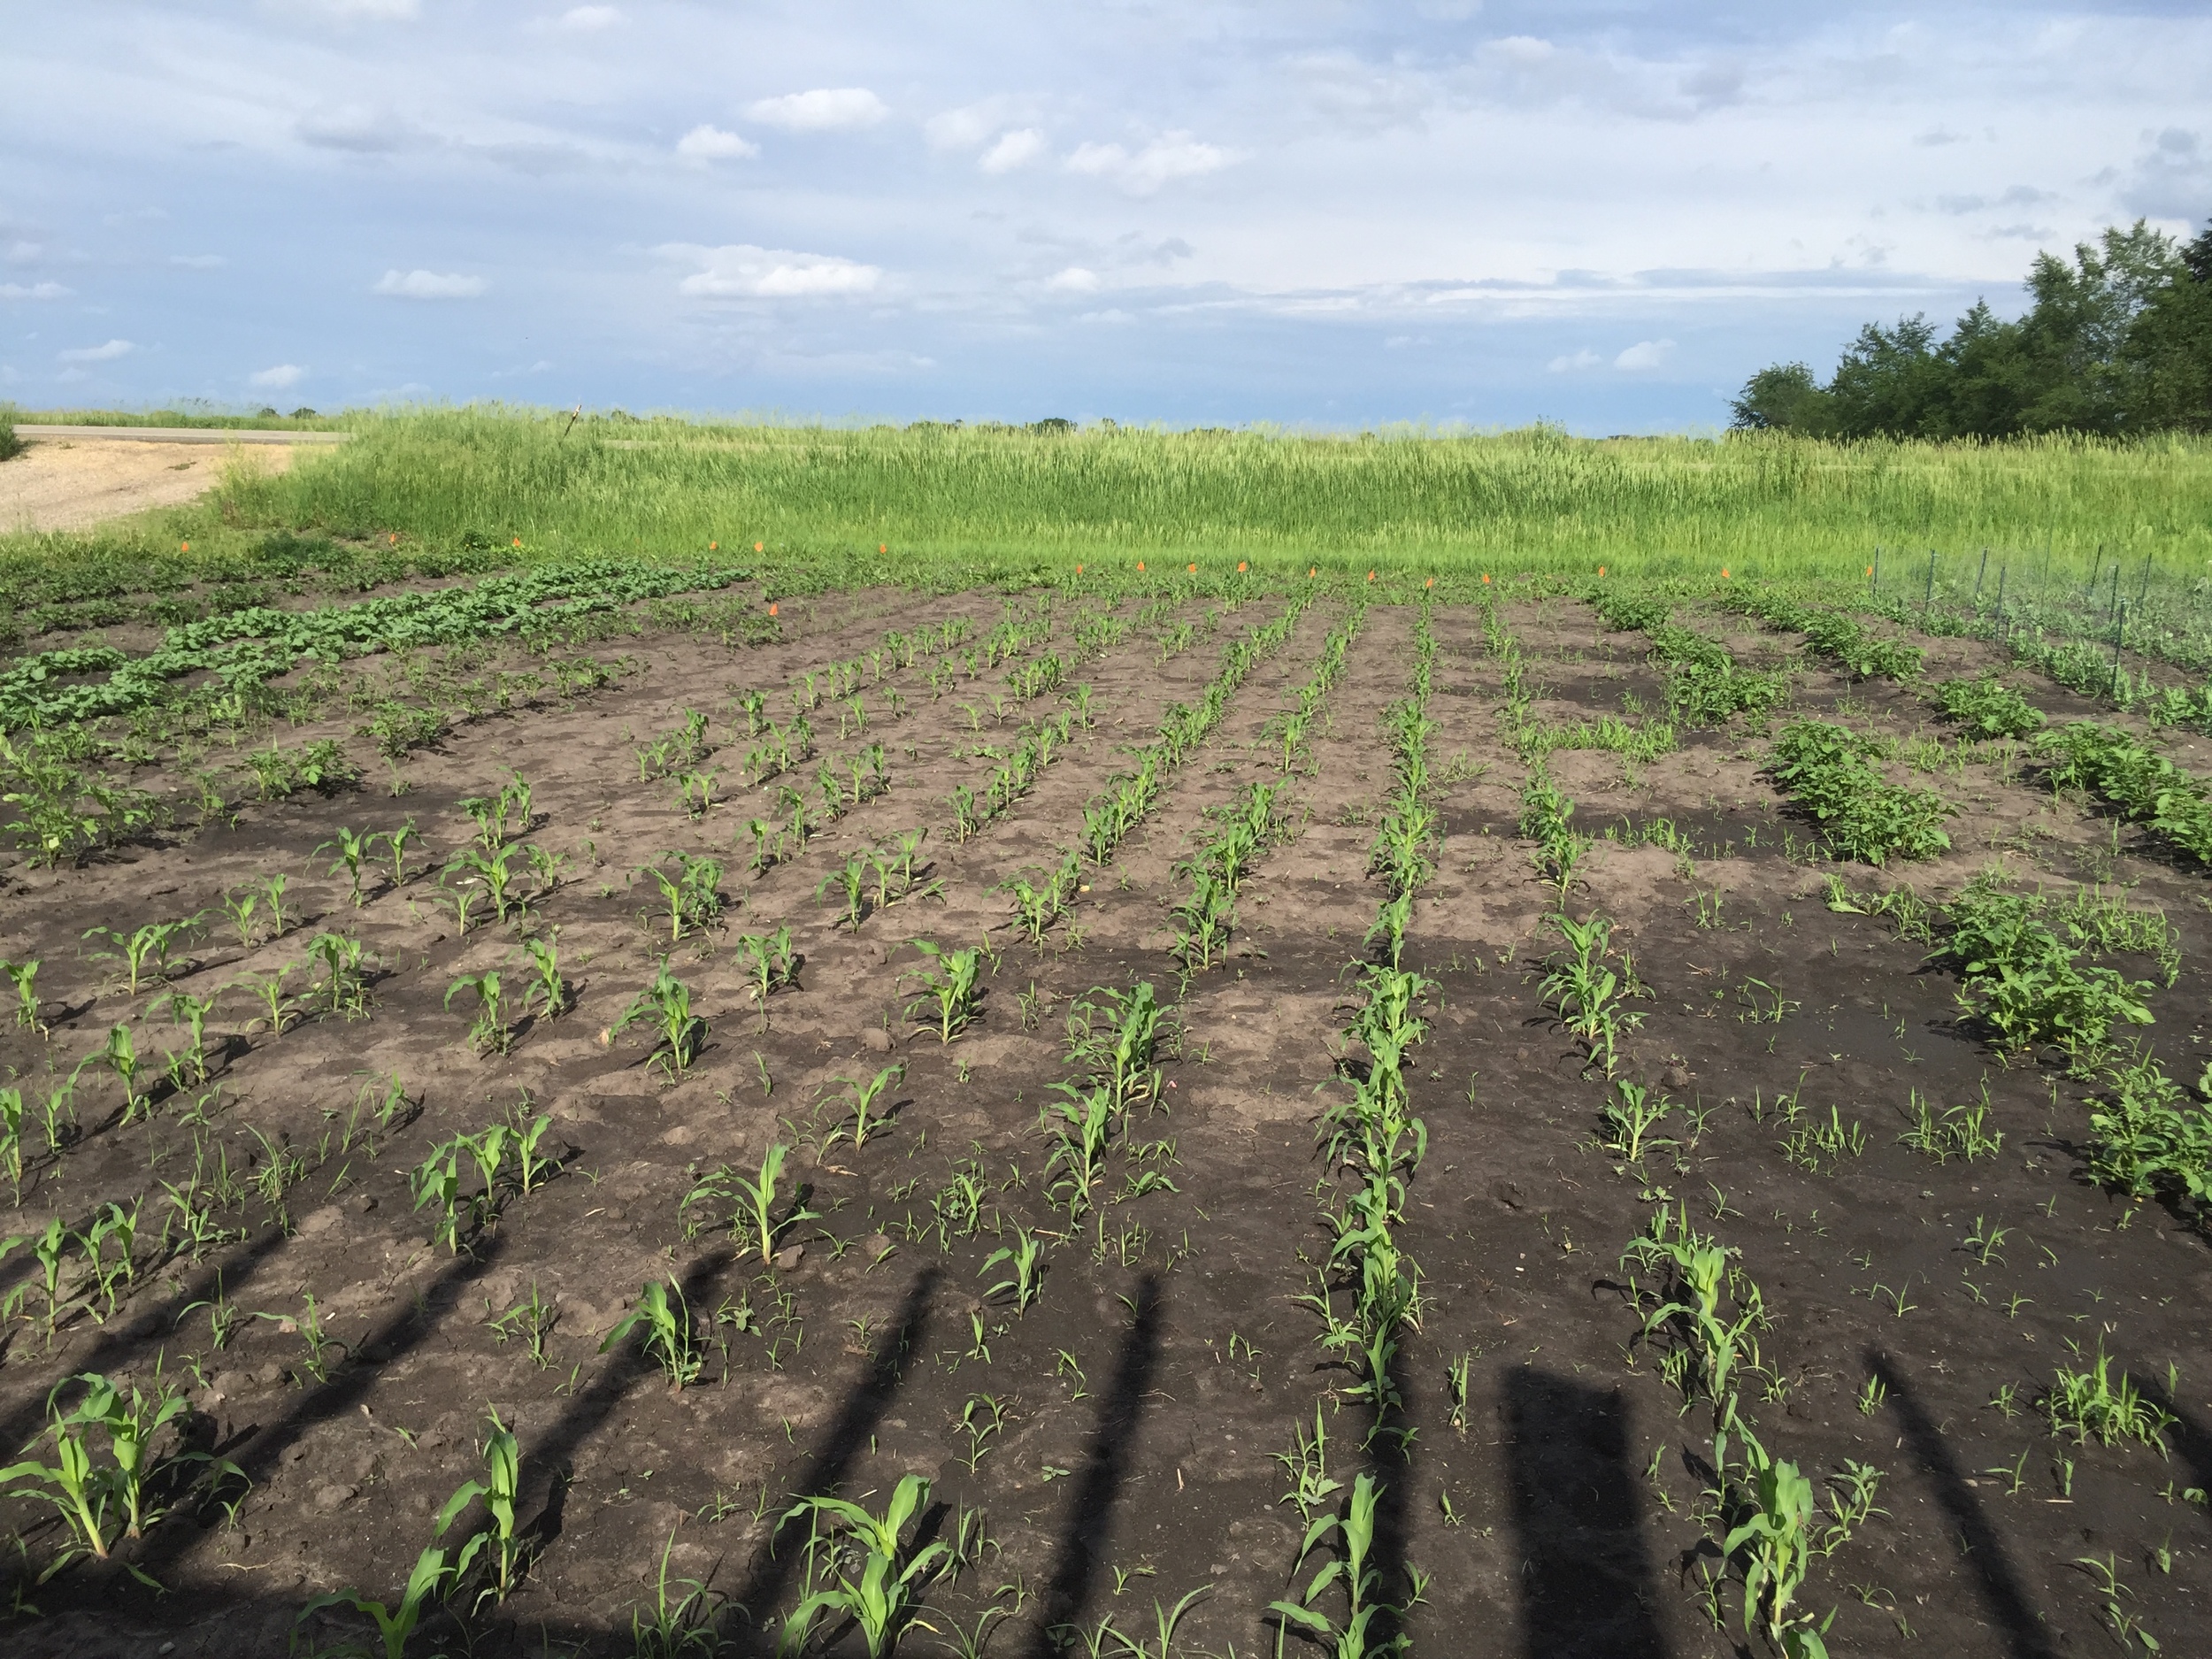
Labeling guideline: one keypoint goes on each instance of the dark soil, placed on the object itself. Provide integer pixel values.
(1143, 1400)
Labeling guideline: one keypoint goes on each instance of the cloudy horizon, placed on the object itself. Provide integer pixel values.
(1603, 214)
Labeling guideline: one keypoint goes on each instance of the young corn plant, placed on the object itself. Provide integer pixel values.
(394, 1624)
(666, 1005)
(664, 1321)
(755, 1198)
(548, 990)
(355, 849)
(1352, 1567)
(951, 986)
(851, 882)
(488, 1033)
(693, 892)
(1024, 1268)
(867, 1121)
(24, 976)
(345, 981)
(1080, 1128)
(504, 1550)
(489, 870)
(771, 964)
(1777, 1542)
(883, 1597)
(102, 1503)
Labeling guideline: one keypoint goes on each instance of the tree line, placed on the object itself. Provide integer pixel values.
(2118, 342)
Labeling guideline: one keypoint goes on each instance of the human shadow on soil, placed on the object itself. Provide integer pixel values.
(121, 1341)
(1097, 1487)
(1586, 1578)
(258, 1449)
(849, 1436)
(2026, 1635)
(552, 1455)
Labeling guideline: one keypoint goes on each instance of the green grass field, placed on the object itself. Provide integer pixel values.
(998, 499)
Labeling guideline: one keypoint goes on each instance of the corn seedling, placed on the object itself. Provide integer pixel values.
(1021, 1259)
(503, 1549)
(884, 1597)
(1307, 1463)
(354, 849)
(394, 1624)
(754, 1198)
(102, 1502)
(1775, 1537)
(488, 1031)
(145, 953)
(851, 881)
(270, 989)
(866, 1120)
(667, 1337)
(951, 985)
(666, 1005)
(549, 989)
(24, 976)
(343, 982)
(1352, 1567)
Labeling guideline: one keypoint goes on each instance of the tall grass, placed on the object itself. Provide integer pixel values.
(1530, 500)
(10, 444)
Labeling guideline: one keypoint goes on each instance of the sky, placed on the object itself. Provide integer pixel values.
(1597, 212)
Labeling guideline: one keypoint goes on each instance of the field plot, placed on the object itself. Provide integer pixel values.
(567, 1113)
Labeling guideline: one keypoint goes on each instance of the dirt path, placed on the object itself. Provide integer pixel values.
(71, 483)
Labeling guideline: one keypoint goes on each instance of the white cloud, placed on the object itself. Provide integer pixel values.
(1645, 354)
(1585, 358)
(198, 261)
(280, 378)
(1017, 148)
(1170, 157)
(429, 285)
(742, 270)
(23, 252)
(704, 142)
(107, 353)
(33, 291)
(1075, 279)
(966, 128)
(590, 20)
(824, 110)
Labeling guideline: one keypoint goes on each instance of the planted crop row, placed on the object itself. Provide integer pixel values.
(250, 647)
(1706, 1311)
(1705, 683)
(1243, 830)
(1840, 638)
(1367, 1292)
(1109, 819)
(1829, 772)
(2082, 654)
(2146, 788)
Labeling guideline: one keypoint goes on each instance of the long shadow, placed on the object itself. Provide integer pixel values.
(1085, 1534)
(1391, 1462)
(258, 1451)
(113, 1345)
(2026, 1636)
(2187, 1435)
(855, 1424)
(1586, 1578)
(546, 1466)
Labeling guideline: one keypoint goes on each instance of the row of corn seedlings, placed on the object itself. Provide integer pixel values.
(1109, 819)
(1706, 1313)
(1243, 831)
(1367, 1291)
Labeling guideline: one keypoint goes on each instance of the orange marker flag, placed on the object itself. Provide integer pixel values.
(1240, 567)
(1193, 570)
(771, 607)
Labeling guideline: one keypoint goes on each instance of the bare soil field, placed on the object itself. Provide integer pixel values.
(1122, 1295)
